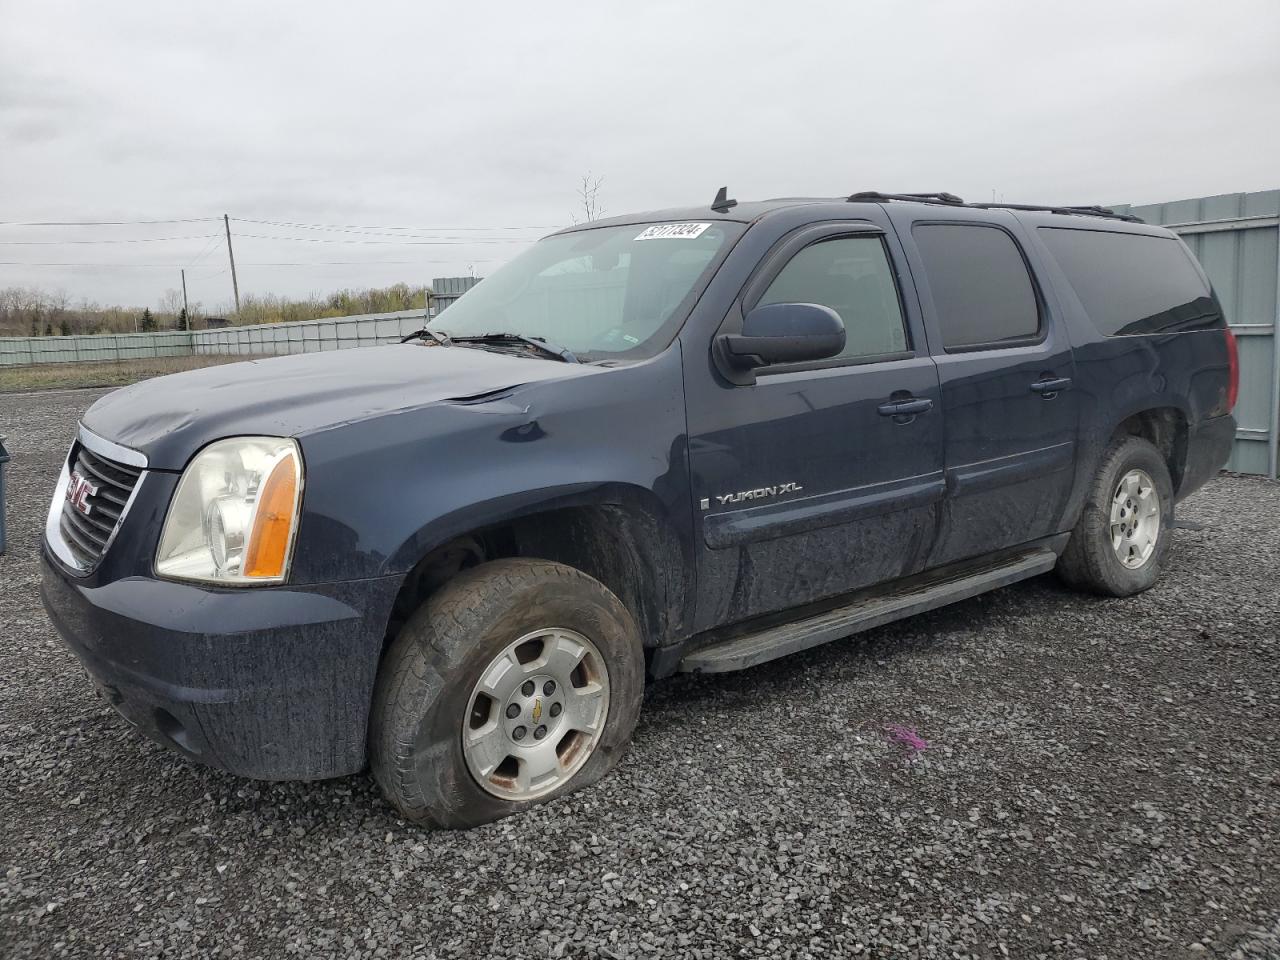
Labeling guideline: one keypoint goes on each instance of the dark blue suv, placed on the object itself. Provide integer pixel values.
(691, 440)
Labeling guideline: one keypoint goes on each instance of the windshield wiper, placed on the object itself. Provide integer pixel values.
(438, 337)
(544, 347)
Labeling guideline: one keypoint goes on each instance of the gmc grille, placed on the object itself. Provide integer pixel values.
(86, 535)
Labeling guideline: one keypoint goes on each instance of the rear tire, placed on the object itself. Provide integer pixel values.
(443, 748)
(1119, 545)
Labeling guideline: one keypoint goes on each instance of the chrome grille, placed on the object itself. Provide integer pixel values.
(88, 535)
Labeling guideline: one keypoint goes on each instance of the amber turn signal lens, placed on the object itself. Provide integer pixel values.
(268, 550)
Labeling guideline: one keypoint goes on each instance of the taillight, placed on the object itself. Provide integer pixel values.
(1233, 374)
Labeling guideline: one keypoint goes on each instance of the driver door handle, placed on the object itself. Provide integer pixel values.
(1051, 386)
(905, 408)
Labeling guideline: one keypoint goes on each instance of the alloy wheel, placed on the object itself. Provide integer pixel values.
(536, 714)
(1135, 519)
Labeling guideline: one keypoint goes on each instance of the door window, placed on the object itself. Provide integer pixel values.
(981, 288)
(851, 275)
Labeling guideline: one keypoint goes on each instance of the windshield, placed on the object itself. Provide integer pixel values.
(600, 292)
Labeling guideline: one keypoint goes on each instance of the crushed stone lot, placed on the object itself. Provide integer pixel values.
(1032, 773)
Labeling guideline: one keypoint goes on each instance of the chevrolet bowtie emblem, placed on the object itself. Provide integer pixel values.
(537, 710)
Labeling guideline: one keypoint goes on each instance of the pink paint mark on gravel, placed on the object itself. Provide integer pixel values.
(907, 737)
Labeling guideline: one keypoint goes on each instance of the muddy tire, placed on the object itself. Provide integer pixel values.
(1119, 545)
(516, 683)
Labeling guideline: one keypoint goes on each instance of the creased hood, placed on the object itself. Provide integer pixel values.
(169, 418)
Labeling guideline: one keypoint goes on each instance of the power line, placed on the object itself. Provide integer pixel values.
(351, 226)
(57, 243)
(339, 227)
(247, 263)
(358, 263)
(262, 236)
(413, 236)
(405, 243)
(209, 248)
(209, 276)
(98, 223)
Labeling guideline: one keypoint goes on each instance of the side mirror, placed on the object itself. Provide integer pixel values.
(785, 333)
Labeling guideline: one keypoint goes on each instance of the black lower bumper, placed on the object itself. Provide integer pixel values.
(272, 683)
(1208, 450)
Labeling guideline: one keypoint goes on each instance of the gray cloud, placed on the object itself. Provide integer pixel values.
(488, 114)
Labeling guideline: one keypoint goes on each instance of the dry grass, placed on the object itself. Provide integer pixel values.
(64, 376)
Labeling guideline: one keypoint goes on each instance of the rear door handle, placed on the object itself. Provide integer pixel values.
(905, 408)
(1051, 387)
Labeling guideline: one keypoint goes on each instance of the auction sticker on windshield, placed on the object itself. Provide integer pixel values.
(673, 231)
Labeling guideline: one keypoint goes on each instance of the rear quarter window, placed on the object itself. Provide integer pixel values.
(1131, 283)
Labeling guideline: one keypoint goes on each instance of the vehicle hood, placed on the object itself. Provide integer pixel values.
(170, 418)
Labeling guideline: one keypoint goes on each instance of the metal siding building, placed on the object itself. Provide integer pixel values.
(1236, 236)
(445, 290)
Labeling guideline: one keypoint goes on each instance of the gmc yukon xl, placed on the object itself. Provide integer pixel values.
(691, 440)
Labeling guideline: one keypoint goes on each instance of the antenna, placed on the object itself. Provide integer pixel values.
(722, 202)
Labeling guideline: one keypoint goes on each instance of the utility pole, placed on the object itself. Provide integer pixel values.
(235, 286)
(186, 311)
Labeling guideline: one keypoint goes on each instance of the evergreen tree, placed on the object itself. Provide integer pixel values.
(64, 328)
(48, 329)
(148, 323)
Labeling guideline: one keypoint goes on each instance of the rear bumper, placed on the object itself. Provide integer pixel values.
(270, 683)
(1209, 445)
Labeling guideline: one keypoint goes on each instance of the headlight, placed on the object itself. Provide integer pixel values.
(234, 514)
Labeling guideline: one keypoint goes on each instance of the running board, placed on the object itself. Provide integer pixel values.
(741, 652)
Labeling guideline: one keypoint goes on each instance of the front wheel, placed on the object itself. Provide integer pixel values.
(1120, 542)
(517, 682)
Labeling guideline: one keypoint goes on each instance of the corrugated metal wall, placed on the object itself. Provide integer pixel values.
(446, 290)
(268, 338)
(310, 336)
(17, 351)
(1236, 236)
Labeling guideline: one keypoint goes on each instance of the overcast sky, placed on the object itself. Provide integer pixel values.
(475, 115)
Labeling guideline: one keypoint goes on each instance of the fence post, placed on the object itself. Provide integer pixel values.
(4, 460)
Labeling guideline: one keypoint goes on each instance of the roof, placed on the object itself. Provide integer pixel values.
(748, 211)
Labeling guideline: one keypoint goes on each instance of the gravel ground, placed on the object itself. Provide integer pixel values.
(1098, 779)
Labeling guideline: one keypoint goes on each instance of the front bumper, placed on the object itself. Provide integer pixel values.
(273, 683)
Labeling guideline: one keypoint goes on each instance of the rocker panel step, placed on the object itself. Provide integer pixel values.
(741, 652)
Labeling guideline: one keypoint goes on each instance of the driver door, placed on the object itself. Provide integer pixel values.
(806, 483)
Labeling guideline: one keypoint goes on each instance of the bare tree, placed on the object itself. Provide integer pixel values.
(57, 303)
(171, 307)
(589, 197)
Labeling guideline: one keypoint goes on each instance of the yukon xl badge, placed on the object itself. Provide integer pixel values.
(759, 493)
(79, 490)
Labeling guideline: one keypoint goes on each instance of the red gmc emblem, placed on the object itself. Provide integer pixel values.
(79, 490)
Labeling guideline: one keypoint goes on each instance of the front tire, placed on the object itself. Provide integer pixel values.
(1119, 545)
(517, 682)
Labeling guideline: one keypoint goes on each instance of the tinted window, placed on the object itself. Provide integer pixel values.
(980, 285)
(1130, 283)
(851, 276)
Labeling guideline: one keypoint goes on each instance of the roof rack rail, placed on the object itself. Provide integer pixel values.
(951, 200)
(939, 197)
(1079, 211)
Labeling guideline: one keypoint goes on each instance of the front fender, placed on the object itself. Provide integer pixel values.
(382, 493)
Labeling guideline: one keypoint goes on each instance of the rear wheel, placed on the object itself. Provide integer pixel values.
(517, 682)
(1120, 542)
